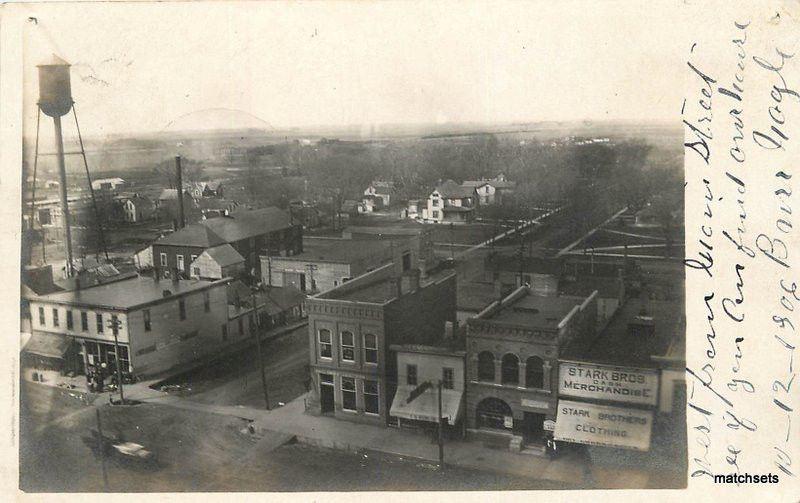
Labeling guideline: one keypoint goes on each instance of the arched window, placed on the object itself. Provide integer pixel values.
(534, 372)
(509, 369)
(486, 366)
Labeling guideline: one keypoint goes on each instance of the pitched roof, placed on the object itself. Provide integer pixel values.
(246, 224)
(474, 183)
(451, 189)
(197, 235)
(224, 255)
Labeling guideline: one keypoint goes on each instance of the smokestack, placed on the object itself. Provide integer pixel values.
(179, 178)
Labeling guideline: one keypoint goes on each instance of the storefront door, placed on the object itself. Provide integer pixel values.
(533, 427)
(326, 393)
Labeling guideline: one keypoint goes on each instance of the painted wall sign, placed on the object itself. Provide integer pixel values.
(603, 382)
(592, 424)
(535, 404)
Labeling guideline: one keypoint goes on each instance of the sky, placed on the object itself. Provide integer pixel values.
(147, 67)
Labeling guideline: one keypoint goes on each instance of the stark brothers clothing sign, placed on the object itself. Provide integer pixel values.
(592, 424)
(603, 382)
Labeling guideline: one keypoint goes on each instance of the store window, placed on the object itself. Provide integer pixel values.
(371, 402)
(70, 322)
(84, 321)
(348, 393)
(370, 348)
(41, 316)
(99, 323)
(348, 347)
(325, 345)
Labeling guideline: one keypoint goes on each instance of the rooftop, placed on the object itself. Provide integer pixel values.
(619, 345)
(449, 347)
(228, 229)
(532, 310)
(338, 250)
(224, 255)
(452, 190)
(128, 293)
(192, 235)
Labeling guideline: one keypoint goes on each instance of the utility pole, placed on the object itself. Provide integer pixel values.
(115, 324)
(441, 437)
(102, 449)
(258, 349)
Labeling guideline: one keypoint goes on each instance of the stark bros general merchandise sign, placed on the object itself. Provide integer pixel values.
(585, 423)
(603, 382)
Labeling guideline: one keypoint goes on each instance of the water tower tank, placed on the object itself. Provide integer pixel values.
(55, 95)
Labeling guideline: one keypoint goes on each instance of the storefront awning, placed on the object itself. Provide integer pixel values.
(48, 345)
(592, 424)
(425, 406)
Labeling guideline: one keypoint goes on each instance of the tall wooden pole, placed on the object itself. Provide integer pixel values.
(258, 350)
(441, 437)
(115, 326)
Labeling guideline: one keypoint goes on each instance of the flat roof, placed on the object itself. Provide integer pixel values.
(616, 344)
(448, 347)
(337, 250)
(129, 293)
(377, 291)
(535, 311)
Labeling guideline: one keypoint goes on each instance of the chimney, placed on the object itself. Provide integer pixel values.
(450, 329)
(179, 178)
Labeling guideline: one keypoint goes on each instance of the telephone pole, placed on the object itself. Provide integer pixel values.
(115, 324)
(441, 437)
(257, 332)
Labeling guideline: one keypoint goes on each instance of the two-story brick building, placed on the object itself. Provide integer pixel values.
(267, 231)
(161, 323)
(513, 347)
(352, 327)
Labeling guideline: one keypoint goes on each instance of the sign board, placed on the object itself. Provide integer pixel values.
(585, 423)
(508, 421)
(604, 382)
(535, 404)
(549, 425)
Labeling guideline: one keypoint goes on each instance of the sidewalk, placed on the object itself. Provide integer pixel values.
(337, 434)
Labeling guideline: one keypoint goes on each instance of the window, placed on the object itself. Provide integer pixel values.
(84, 321)
(196, 271)
(370, 348)
(99, 323)
(70, 323)
(115, 324)
(348, 393)
(146, 314)
(163, 259)
(348, 347)
(486, 366)
(447, 378)
(224, 332)
(55, 317)
(182, 309)
(411, 375)
(435, 203)
(371, 397)
(509, 369)
(435, 214)
(194, 257)
(325, 345)
(180, 263)
(534, 372)
(41, 316)
(326, 378)
(206, 301)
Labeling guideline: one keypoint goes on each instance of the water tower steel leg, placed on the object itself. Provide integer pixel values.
(62, 179)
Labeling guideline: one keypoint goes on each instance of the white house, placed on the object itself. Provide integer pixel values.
(450, 203)
(490, 191)
(137, 209)
(108, 184)
(382, 190)
(219, 262)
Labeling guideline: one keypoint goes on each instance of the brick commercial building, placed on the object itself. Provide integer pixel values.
(352, 327)
(161, 323)
(418, 237)
(513, 348)
(268, 231)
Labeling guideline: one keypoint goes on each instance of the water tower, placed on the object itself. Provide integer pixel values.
(55, 100)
